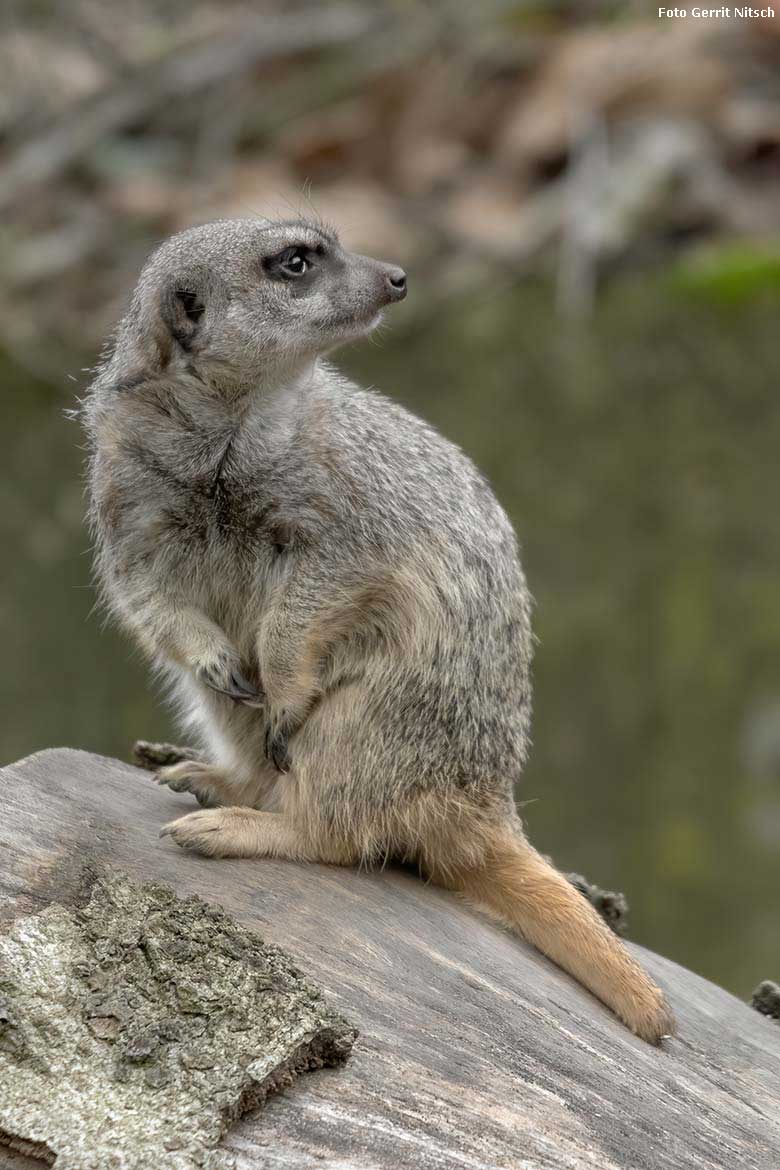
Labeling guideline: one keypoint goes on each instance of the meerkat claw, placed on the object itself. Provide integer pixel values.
(238, 688)
(243, 691)
(276, 750)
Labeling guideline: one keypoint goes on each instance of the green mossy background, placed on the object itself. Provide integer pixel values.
(637, 454)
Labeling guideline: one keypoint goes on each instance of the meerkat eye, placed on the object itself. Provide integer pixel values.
(294, 262)
(290, 264)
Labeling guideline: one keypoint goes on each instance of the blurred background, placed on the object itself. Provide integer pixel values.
(587, 200)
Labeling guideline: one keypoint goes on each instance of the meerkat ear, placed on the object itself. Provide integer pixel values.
(182, 309)
(188, 305)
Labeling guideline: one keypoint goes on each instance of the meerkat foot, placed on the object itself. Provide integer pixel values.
(153, 756)
(202, 780)
(213, 833)
(238, 832)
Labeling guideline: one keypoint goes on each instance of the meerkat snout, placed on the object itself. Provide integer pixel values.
(396, 282)
(369, 286)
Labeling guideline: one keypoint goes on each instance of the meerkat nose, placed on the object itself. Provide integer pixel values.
(396, 283)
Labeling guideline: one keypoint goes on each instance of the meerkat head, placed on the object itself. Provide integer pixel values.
(234, 298)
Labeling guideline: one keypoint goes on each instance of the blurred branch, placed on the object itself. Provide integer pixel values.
(177, 77)
(580, 243)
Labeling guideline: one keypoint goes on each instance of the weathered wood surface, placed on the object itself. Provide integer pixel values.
(475, 1052)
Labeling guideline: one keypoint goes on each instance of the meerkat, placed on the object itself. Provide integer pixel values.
(329, 587)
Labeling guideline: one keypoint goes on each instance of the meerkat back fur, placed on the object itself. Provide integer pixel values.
(329, 586)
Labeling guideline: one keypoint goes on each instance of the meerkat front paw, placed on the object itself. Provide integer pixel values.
(224, 675)
(225, 832)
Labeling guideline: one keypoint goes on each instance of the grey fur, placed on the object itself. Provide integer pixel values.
(214, 485)
(330, 586)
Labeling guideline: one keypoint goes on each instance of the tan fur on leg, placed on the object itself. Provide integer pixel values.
(239, 832)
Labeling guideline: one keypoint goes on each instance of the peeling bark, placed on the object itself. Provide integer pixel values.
(135, 1029)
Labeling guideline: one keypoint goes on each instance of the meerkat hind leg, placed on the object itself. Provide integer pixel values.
(242, 832)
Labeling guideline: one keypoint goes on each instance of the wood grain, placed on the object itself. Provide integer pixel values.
(475, 1053)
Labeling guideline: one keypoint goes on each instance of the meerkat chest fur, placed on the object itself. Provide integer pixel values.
(208, 491)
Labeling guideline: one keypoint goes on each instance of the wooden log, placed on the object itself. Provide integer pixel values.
(475, 1052)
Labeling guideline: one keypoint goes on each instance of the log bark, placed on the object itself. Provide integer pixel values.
(475, 1053)
(136, 1028)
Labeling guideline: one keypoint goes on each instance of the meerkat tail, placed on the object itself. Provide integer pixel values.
(523, 891)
